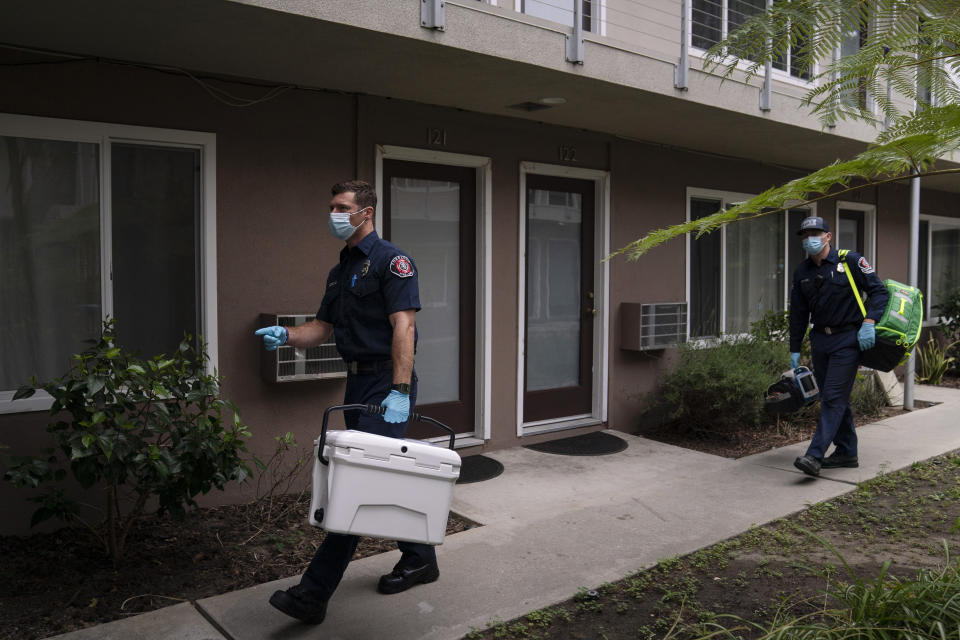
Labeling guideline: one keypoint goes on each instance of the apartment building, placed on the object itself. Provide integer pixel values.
(168, 163)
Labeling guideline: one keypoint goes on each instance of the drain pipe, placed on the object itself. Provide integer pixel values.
(912, 255)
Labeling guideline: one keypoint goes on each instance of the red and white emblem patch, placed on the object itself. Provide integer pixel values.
(401, 266)
(864, 265)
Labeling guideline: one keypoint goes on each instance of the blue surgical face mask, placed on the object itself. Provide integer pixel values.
(340, 225)
(813, 245)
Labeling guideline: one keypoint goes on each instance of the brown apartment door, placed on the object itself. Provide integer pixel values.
(430, 212)
(560, 309)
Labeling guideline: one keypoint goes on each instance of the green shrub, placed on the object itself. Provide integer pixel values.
(933, 361)
(721, 387)
(136, 430)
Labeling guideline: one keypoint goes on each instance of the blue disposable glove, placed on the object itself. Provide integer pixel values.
(398, 406)
(867, 336)
(273, 337)
(794, 360)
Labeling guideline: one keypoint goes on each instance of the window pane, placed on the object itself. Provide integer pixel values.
(754, 271)
(923, 255)
(739, 11)
(704, 274)
(799, 62)
(49, 255)
(556, 10)
(944, 263)
(706, 27)
(795, 252)
(853, 39)
(156, 213)
(553, 289)
(425, 220)
(850, 230)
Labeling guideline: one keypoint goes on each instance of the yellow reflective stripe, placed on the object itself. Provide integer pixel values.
(843, 256)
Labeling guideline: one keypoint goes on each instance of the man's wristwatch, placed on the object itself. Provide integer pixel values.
(402, 387)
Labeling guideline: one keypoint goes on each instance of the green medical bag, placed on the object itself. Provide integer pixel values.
(899, 327)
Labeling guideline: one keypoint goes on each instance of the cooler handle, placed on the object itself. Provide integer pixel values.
(378, 410)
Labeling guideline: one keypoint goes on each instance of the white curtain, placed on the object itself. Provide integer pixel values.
(49, 256)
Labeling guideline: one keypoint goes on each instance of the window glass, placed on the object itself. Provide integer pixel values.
(705, 254)
(922, 259)
(559, 11)
(754, 270)
(50, 300)
(53, 263)
(853, 39)
(850, 230)
(155, 213)
(707, 24)
(944, 261)
(425, 220)
(553, 289)
(741, 271)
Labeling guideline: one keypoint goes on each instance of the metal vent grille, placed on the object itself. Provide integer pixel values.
(653, 326)
(289, 364)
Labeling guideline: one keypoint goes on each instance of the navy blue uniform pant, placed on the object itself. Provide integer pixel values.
(835, 362)
(335, 552)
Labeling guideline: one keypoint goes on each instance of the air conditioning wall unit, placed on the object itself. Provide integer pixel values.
(649, 326)
(289, 364)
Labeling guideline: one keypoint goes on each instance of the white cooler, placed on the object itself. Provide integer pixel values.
(383, 487)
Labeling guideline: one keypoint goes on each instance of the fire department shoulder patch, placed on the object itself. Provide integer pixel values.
(864, 265)
(401, 267)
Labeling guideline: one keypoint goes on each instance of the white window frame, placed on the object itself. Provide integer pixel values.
(728, 198)
(104, 135)
(484, 268)
(928, 318)
(779, 75)
(601, 284)
(869, 226)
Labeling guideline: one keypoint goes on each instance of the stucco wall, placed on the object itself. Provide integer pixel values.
(275, 163)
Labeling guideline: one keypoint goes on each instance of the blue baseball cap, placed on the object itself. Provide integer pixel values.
(813, 222)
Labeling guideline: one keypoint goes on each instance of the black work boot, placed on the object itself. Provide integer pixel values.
(301, 604)
(808, 464)
(402, 579)
(836, 460)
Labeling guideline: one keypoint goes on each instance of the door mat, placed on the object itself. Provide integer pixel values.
(478, 468)
(596, 443)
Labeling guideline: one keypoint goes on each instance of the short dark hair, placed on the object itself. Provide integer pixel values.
(363, 192)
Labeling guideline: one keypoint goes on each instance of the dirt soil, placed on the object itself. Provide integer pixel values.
(62, 581)
(58, 582)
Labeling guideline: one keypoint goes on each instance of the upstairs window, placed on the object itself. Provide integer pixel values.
(714, 20)
(559, 11)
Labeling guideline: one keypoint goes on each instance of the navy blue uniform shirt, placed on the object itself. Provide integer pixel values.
(373, 280)
(823, 294)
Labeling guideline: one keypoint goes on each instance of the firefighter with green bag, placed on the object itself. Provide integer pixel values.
(841, 333)
(898, 329)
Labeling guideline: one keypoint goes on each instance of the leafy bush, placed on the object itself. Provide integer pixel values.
(722, 387)
(136, 429)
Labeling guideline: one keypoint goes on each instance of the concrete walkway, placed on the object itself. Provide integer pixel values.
(553, 524)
